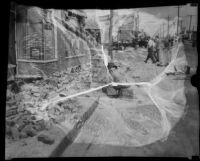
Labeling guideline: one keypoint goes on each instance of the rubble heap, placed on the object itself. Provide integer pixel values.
(65, 111)
(20, 122)
(24, 116)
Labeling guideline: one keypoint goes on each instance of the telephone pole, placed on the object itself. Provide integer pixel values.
(137, 21)
(110, 35)
(160, 31)
(181, 25)
(163, 30)
(178, 18)
(190, 21)
(168, 26)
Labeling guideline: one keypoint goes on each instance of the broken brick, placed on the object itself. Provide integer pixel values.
(56, 74)
(11, 112)
(15, 88)
(23, 135)
(42, 124)
(46, 139)
(48, 124)
(29, 131)
(11, 102)
(59, 119)
(33, 118)
(14, 133)
(29, 105)
(21, 126)
(126, 93)
(36, 94)
(62, 95)
(110, 91)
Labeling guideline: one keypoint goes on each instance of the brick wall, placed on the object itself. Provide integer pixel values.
(25, 68)
(64, 46)
(44, 42)
(49, 46)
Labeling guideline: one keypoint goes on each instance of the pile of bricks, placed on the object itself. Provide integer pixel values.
(20, 123)
(24, 116)
(65, 111)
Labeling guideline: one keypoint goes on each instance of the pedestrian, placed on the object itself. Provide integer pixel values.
(151, 49)
(157, 41)
(163, 54)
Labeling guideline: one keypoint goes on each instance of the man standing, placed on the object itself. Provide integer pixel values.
(151, 48)
(157, 48)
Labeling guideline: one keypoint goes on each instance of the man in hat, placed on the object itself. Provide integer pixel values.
(151, 49)
(157, 41)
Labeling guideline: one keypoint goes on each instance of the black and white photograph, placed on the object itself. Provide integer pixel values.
(102, 82)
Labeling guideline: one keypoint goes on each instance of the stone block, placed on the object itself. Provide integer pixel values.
(128, 93)
(29, 131)
(14, 133)
(110, 91)
(11, 112)
(11, 103)
(46, 139)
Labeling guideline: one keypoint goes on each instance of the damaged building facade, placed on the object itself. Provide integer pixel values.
(39, 44)
(93, 29)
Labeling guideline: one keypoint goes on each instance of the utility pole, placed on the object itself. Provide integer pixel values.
(160, 31)
(110, 36)
(135, 18)
(163, 30)
(16, 49)
(178, 18)
(168, 26)
(181, 25)
(190, 21)
(137, 21)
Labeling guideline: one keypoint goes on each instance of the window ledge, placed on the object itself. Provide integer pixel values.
(69, 57)
(27, 76)
(37, 61)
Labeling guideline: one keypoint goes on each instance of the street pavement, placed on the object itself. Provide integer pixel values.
(182, 141)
